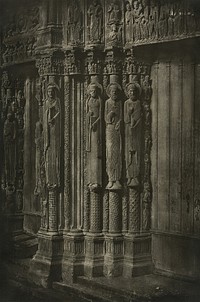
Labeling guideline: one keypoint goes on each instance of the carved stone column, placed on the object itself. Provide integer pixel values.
(47, 262)
(113, 260)
(137, 245)
(73, 258)
(94, 163)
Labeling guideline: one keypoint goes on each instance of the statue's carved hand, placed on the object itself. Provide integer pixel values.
(117, 126)
(94, 126)
(111, 117)
(51, 122)
(133, 122)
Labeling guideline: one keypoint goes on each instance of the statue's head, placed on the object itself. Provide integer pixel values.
(19, 94)
(128, 6)
(113, 90)
(51, 90)
(13, 105)
(133, 91)
(136, 4)
(10, 117)
(94, 89)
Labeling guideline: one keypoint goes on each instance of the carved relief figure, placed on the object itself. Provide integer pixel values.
(114, 13)
(95, 14)
(94, 135)
(162, 23)
(144, 28)
(129, 22)
(9, 135)
(115, 34)
(113, 119)
(132, 119)
(171, 22)
(137, 11)
(147, 207)
(154, 13)
(44, 220)
(178, 22)
(75, 23)
(51, 130)
(20, 104)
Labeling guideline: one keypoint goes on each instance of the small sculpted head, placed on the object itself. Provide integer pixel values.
(93, 91)
(114, 92)
(133, 91)
(50, 92)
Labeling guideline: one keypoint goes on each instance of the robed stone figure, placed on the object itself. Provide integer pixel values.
(113, 119)
(95, 14)
(133, 124)
(52, 135)
(94, 135)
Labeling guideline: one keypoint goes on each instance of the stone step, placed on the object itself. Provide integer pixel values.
(84, 292)
(25, 246)
(117, 294)
(32, 293)
(22, 237)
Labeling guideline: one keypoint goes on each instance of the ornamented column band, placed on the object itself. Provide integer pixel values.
(67, 182)
(53, 210)
(115, 213)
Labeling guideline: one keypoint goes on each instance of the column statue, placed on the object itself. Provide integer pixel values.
(113, 119)
(132, 119)
(94, 135)
(52, 135)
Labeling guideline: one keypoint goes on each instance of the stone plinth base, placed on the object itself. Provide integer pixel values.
(113, 260)
(46, 265)
(73, 258)
(94, 255)
(13, 223)
(137, 255)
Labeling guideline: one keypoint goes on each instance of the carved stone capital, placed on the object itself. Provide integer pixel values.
(72, 64)
(51, 64)
(113, 62)
(93, 62)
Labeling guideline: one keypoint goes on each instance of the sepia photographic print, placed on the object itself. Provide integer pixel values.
(100, 150)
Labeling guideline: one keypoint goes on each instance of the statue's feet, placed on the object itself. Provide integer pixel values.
(116, 185)
(128, 181)
(94, 187)
(109, 185)
(134, 182)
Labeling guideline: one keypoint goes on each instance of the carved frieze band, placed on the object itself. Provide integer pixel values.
(89, 23)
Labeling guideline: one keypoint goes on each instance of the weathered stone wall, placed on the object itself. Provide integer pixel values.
(175, 163)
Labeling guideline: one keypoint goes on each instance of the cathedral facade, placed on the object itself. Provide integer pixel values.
(100, 136)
